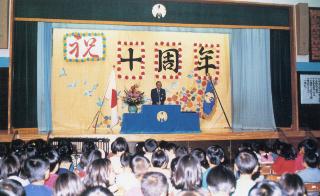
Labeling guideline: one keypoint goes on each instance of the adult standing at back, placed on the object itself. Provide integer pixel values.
(158, 94)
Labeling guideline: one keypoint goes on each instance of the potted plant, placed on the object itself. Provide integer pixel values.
(133, 97)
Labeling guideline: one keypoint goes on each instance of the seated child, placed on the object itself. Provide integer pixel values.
(68, 184)
(38, 170)
(221, 181)
(154, 184)
(159, 162)
(10, 188)
(311, 174)
(246, 163)
(266, 188)
(118, 147)
(53, 159)
(292, 185)
(285, 163)
(150, 145)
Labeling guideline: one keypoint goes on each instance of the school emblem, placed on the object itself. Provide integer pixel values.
(162, 116)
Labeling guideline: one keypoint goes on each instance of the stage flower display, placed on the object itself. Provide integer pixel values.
(133, 96)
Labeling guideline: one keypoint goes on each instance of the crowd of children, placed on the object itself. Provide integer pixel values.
(155, 169)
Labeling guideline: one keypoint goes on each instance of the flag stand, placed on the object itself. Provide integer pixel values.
(216, 94)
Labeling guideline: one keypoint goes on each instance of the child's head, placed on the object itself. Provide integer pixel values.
(94, 155)
(17, 145)
(159, 159)
(288, 152)
(65, 148)
(181, 151)
(292, 185)
(10, 188)
(201, 155)
(188, 173)
(215, 155)
(266, 188)
(125, 159)
(88, 147)
(154, 184)
(308, 145)
(221, 180)
(140, 148)
(68, 184)
(53, 158)
(3, 150)
(119, 145)
(311, 160)
(246, 162)
(139, 165)
(37, 169)
(99, 173)
(150, 145)
(9, 166)
(163, 144)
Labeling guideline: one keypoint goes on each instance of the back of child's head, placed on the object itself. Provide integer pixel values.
(9, 166)
(288, 152)
(31, 148)
(36, 168)
(119, 145)
(68, 184)
(99, 173)
(139, 148)
(292, 185)
(308, 145)
(173, 164)
(266, 188)
(221, 180)
(3, 150)
(159, 159)
(53, 157)
(245, 146)
(87, 147)
(125, 159)
(163, 144)
(97, 191)
(11, 188)
(246, 162)
(154, 184)
(311, 159)
(94, 155)
(187, 175)
(200, 154)
(150, 145)
(17, 145)
(181, 151)
(171, 147)
(277, 147)
(65, 148)
(259, 147)
(139, 165)
(215, 155)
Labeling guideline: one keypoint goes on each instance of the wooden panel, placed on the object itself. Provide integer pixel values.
(4, 23)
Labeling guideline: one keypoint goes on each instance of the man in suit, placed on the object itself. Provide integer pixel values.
(158, 95)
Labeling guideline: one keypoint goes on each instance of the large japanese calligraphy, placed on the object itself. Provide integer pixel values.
(182, 61)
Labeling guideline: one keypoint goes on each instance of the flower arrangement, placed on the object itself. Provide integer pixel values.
(133, 96)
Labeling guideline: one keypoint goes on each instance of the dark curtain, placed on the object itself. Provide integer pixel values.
(4, 98)
(281, 77)
(24, 75)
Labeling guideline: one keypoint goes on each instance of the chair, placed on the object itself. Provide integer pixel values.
(312, 187)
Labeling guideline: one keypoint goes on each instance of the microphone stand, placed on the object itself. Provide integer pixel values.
(216, 94)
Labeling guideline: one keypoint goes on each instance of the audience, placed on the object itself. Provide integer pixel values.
(37, 168)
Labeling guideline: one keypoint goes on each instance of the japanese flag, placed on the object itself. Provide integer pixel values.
(111, 95)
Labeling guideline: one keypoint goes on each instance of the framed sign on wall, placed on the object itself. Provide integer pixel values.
(314, 34)
(4, 23)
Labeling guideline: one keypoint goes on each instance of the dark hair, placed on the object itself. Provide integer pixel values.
(288, 152)
(125, 159)
(11, 187)
(9, 166)
(188, 173)
(36, 168)
(159, 158)
(31, 148)
(259, 146)
(139, 148)
(215, 154)
(154, 184)
(309, 145)
(17, 145)
(292, 185)
(221, 179)
(201, 155)
(150, 145)
(68, 184)
(119, 145)
(139, 165)
(163, 144)
(311, 159)
(173, 165)
(53, 158)
(97, 190)
(98, 173)
(87, 147)
(94, 155)
(181, 151)
(278, 146)
(245, 147)
(266, 188)
(171, 146)
(3, 150)
(65, 148)
(246, 162)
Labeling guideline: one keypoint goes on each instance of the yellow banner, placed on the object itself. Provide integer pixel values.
(180, 60)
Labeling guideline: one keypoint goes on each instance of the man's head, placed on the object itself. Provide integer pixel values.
(158, 84)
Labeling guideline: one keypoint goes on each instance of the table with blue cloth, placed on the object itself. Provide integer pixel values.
(160, 119)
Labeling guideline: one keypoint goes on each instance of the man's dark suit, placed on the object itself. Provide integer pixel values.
(158, 96)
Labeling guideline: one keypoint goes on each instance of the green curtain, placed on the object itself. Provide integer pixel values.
(24, 75)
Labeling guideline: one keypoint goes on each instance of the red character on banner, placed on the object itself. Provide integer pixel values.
(75, 49)
(91, 43)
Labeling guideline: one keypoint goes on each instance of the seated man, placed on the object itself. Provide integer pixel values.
(158, 95)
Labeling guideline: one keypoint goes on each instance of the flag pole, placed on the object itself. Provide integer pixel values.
(216, 94)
